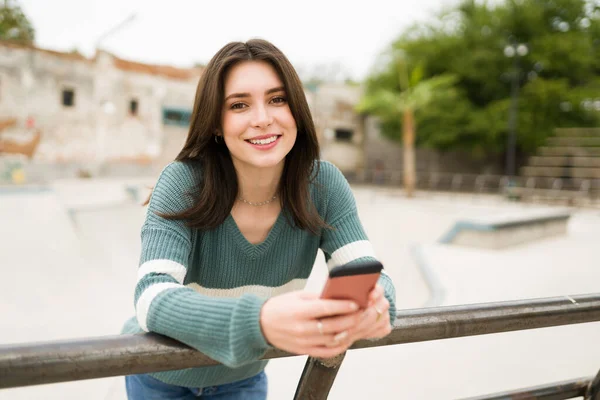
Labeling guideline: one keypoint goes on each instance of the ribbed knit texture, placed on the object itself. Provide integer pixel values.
(206, 288)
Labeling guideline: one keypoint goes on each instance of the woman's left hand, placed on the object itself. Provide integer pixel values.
(375, 321)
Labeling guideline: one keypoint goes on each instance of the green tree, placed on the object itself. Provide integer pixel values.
(14, 25)
(560, 71)
(404, 92)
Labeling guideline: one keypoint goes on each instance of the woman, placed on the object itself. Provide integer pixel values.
(233, 229)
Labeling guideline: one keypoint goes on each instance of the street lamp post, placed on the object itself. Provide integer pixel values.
(514, 51)
(114, 29)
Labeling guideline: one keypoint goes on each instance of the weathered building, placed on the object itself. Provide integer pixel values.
(98, 110)
(101, 111)
(340, 128)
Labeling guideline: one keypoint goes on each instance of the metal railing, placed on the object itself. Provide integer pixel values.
(61, 361)
(557, 391)
(540, 188)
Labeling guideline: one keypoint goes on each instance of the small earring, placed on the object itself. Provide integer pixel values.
(217, 140)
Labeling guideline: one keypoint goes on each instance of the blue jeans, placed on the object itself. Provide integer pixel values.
(145, 387)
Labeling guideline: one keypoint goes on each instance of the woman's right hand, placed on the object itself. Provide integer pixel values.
(302, 323)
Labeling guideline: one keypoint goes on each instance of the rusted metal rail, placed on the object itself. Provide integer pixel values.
(585, 388)
(593, 389)
(61, 361)
(556, 391)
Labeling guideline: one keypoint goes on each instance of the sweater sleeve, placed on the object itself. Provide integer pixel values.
(347, 242)
(227, 330)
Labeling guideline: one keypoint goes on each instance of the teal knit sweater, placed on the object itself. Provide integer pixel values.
(206, 288)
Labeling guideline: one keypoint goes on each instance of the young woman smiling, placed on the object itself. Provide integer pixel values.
(232, 231)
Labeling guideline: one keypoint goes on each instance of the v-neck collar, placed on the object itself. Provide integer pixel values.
(255, 250)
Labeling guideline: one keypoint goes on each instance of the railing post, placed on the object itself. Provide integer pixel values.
(317, 378)
(480, 183)
(593, 390)
(456, 182)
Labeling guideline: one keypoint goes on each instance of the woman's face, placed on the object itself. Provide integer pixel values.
(258, 127)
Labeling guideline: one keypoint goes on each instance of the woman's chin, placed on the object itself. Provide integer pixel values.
(263, 163)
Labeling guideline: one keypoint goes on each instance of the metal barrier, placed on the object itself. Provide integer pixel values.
(557, 391)
(61, 361)
(528, 187)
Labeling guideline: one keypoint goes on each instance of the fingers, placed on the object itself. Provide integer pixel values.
(382, 326)
(300, 322)
(328, 331)
(380, 331)
(374, 314)
(305, 295)
(320, 308)
(382, 315)
(334, 325)
(376, 294)
(338, 333)
(375, 322)
(322, 340)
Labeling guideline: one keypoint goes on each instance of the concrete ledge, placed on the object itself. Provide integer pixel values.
(503, 231)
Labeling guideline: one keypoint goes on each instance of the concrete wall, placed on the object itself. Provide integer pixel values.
(32, 81)
(99, 127)
(333, 110)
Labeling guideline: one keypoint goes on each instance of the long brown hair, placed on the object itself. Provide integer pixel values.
(218, 190)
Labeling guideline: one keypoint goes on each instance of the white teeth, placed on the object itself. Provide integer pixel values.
(264, 141)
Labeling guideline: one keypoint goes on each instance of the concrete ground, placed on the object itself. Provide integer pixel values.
(69, 259)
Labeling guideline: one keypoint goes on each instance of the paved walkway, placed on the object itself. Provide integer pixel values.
(71, 275)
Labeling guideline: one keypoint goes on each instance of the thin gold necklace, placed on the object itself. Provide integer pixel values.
(262, 203)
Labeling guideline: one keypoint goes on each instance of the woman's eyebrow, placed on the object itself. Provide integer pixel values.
(275, 89)
(241, 95)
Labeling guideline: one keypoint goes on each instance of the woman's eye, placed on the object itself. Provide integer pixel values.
(237, 106)
(279, 100)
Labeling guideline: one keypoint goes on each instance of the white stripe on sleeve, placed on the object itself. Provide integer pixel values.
(350, 252)
(142, 306)
(168, 267)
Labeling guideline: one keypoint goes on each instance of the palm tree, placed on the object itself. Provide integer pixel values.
(413, 93)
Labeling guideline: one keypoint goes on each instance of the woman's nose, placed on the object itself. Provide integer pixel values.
(262, 118)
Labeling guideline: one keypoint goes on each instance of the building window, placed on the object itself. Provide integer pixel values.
(133, 107)
(343, 135)
(174, 116)
(68, 97)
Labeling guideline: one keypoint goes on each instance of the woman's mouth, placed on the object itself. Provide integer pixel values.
(264, 142)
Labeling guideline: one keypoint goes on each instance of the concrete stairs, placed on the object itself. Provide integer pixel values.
(570, 161)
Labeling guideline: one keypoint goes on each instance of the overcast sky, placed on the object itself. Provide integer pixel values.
(183, 32)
